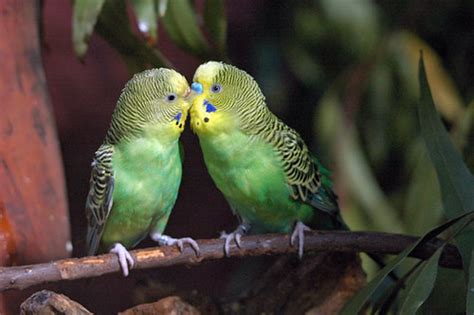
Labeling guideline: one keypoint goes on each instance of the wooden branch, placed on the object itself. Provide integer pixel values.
(21, 277)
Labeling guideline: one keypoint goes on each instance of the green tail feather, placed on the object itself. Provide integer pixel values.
(325, 200)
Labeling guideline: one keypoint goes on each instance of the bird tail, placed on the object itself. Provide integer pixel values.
(93, 239)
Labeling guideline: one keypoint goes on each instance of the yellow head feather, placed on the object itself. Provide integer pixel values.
(154, 101)
(224, 95)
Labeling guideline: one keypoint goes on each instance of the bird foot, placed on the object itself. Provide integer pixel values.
(298, 233)
(165, 240)
(233, 236)
(124, 258)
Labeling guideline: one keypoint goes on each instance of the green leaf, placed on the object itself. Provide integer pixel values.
(456, 182)
(470, 287)
(406, 280)
(113, 25)
(360, 299)
(448, 295)
(423, 284)
(216, 23)
(181, 25)
(162, 7)
(147, 18)
(423, 207)
(84, 18)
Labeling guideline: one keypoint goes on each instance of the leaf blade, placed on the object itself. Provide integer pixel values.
(359, 300)
(113, 25)
(84, 19)
(423, 285)
(181, 25)
(442, 152)
(147, 18)
(455, 180)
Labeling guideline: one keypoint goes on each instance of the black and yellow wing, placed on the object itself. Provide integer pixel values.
(99, 200)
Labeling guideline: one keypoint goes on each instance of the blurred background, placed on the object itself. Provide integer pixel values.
(342, 73)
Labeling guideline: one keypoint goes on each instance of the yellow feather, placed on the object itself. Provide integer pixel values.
(205, 72)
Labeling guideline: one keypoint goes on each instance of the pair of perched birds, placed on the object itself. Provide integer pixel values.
(263, 167)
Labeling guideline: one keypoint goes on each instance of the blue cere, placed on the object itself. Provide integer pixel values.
(196, 87)
(178, 116)
(209, 107)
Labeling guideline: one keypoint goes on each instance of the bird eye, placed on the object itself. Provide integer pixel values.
(216, 88)
(171, 97)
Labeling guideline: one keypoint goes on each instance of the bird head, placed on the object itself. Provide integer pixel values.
(153, 100)
(222, 95)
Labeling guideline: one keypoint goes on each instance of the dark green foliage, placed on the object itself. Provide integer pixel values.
(361, 299)
(181, 24)
(456, 186)
(456, 182)
(109, 18)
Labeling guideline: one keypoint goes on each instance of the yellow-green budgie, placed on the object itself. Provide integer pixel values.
(262, 166)
(136, 172)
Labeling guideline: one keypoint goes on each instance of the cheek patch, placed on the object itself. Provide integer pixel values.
(178, 117)
(209, 107)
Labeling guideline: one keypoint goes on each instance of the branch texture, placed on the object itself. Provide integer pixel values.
(21, 277)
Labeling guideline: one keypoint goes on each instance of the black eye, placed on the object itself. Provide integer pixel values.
(216, 88)
(171, 97)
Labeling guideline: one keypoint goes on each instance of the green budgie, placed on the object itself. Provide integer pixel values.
(262, 166)
(136, 172)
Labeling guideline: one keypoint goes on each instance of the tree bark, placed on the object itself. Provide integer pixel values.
(34, 225)
(33, 191)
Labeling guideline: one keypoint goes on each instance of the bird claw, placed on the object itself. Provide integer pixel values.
(124, 258)
(298, 233)
(165, 240)
(187, 240)
(235, 236)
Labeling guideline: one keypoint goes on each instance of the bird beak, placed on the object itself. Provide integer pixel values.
(187, 93)
(197, 87)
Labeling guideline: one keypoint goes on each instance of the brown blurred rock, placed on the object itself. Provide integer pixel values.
(170, 305)
(49, 303)
(318, 284)
(352, 279)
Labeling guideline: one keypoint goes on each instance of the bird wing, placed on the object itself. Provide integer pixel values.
(304, 174)
(99, 200)
(325, 198)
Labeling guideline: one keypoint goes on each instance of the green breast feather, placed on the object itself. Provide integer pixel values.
(146, 176)
(249, 173)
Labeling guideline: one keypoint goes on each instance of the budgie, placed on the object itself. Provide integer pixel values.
(263, 167)
(136, 172)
